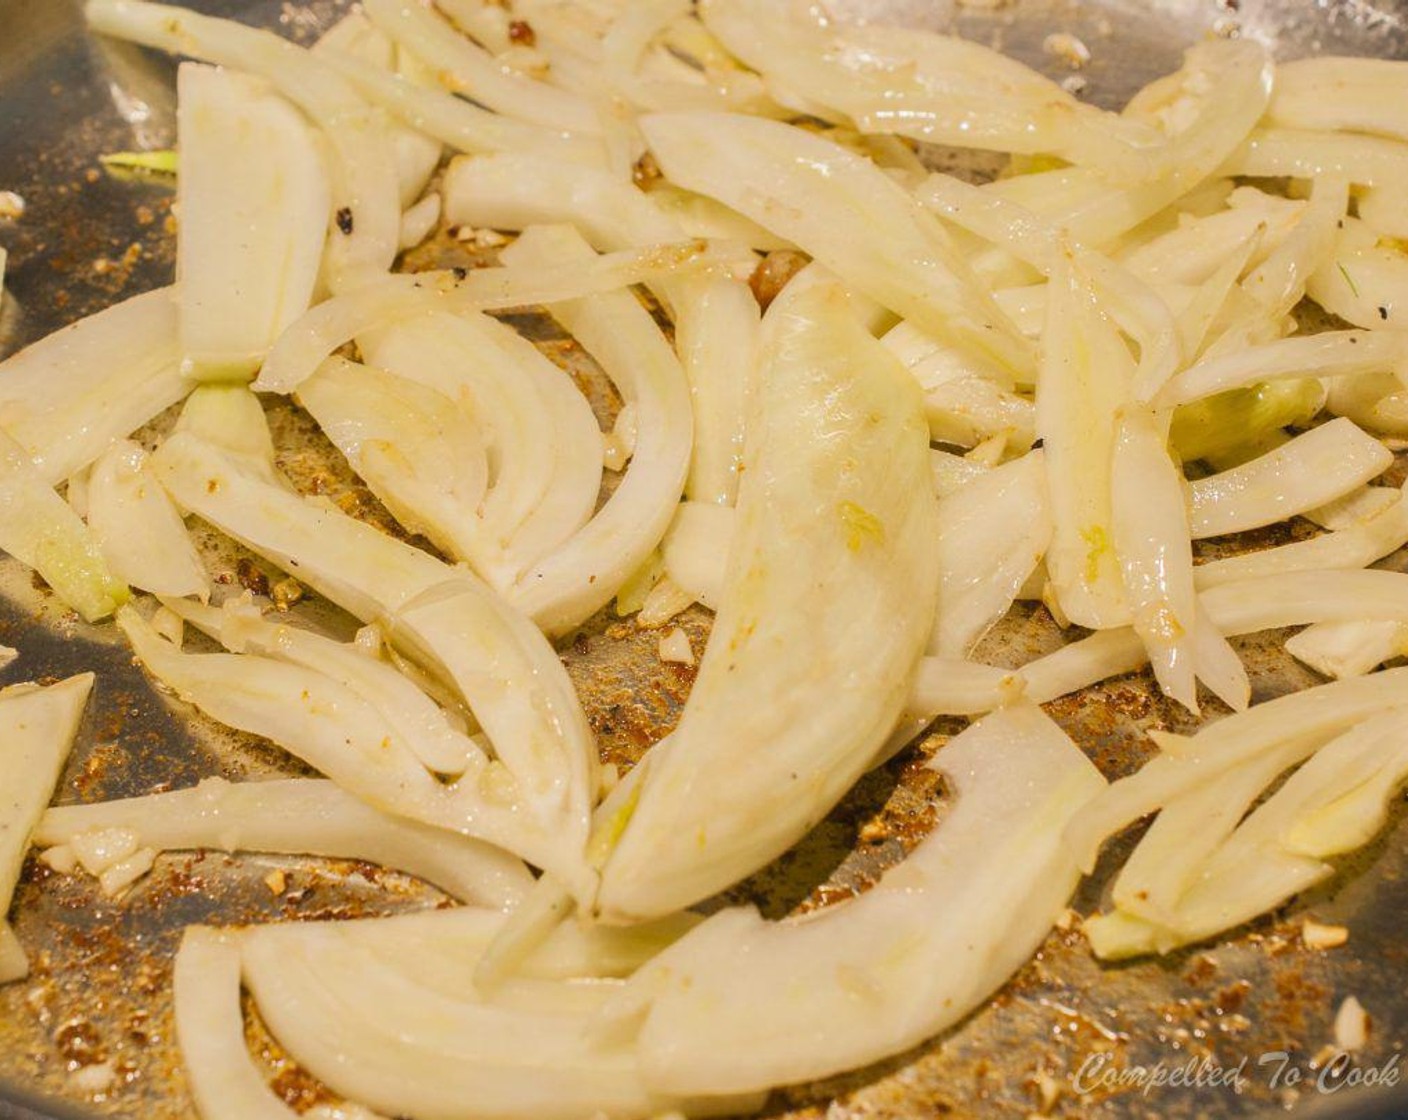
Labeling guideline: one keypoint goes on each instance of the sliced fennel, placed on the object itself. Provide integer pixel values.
(338, 727)
(70, 396)
(696, 550)
(835, 494)
(364, 217)
(40, 530)
(298, 816)
(1280, 597)
(1312, 153)
(1349, 649)
(1106, 653)
(467, 68)
(1349, 94)
(1151, 538)
(431, 733)
(1085, 380)
(845, 212)
(717, 337)
(568, 585)
(1207, 108)
(1293, 598)
(1189, 829)
(1331, 354)
(375, 1024)
(440, 616)
(1354, 509)
(515, 191)
(357, 48)
(1364, 279)
(993, 533)
(1314, 468)
(231, 418)
(543, 444)
(740, 1003)
(1279, 282)
(419, 453)
(254, 200)
(302, 348)
(949, 687)
(140, 534)
(432, 111)
(1307, 817)
(1196, 247)
(1316, 713)
(1334, 803)
(360, 569)
(37, 726)
(1355, 546)
(224, 1079)
(445, 946)
(1376, 402)
(935, 88)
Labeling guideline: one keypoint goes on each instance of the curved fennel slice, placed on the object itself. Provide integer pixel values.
(1086, 378)
(68, 397)
(742, 1003)
(845, 212)
(365, 1015)
(139, 532)
(42, 531)
(1361, 273)
(443, 617)
(443, 947)
(465, 67)
(1351, 94)
(1332, 804)
(337, 726)
(1151, 536)
(420, 455)
(836, 506)
(401, 295)
(240, 627)
(570, 583)
(542, 440)
(1315, 713)
(716, 319)
(515, 191)
(224, 1080)
(299, 816)
(37, 726)
(935, 88)
(358, 50)
(1307, 472)
(1206, 109)
(254, 202)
